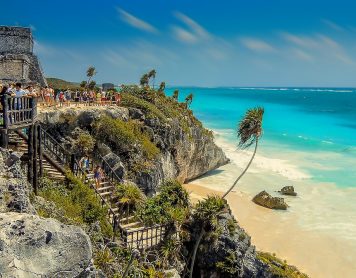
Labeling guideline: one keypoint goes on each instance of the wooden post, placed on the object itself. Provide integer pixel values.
(30, 155)
(5, 109)
(72, 163)
(40, 150)
(34, 159)
(4, 138)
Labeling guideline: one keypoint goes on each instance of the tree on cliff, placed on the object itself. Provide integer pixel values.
(162, 86)
(175, 95)
(90, 73)
(249, 132)
(152, 75)
(206, 216)
(144, 80)
(189, 100)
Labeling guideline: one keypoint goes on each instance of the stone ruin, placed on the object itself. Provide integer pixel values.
(17, 61)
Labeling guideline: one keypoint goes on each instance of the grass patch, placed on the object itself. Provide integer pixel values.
(278, 267)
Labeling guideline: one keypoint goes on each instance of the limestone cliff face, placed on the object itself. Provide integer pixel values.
(31, 246)
(185, 154)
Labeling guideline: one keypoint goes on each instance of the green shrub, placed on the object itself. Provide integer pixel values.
(125, 136)
(77, 201)
(278, 267)
(171, 205)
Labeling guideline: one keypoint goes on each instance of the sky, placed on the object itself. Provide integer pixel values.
(295, 43)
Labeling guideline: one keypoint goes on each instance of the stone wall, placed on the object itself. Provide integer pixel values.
(15, 40)
(17, 62)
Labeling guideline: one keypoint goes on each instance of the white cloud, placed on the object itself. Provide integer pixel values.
(333, 25)
(299, 40)
(193, 25)
(302, 55)
(184, 35)
(257, 45)
(136, 22)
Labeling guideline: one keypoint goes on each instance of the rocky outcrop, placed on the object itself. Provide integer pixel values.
(288, 190)
(185, 153)
(230, 255)
(14, 190)
(31, 246)
(35, 247)
(266, 200)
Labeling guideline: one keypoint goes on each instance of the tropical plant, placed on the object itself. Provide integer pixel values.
(162, 86)
(206, 216)
(249, 131)
(144, 80)
(83, 84)
(130, 196)
(189, 100)
(92, 85)
(152, 75)
(175, 95)
(90, 73)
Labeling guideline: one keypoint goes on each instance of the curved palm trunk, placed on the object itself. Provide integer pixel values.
(239, 177)
(202, 232)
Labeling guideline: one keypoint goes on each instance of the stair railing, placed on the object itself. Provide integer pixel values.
(108, 170)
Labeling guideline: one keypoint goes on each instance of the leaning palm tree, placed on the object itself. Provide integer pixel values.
(249, 132)
(175, 95)
(131, 196)
(206, 216)
(144, 80)
(189, 100)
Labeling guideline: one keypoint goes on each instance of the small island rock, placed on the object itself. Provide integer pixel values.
(266, 200)
(288, 190)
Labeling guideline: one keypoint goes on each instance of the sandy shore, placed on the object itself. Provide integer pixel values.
(313, 253)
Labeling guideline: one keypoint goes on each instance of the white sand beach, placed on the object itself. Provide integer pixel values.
(318, 231)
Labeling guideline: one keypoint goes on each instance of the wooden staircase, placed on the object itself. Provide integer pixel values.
(18, 143)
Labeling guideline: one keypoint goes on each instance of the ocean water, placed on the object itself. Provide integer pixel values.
(319, 124)
(309, 141)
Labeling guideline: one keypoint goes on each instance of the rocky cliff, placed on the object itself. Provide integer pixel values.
(185, 153)
(31, 246)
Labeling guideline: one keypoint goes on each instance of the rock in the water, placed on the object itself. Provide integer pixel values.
(266, 200)
(288, 190)
(31, 246)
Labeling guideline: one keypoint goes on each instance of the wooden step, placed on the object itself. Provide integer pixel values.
(105, 194)
(101, 189)
(127, 219)
(130, 225)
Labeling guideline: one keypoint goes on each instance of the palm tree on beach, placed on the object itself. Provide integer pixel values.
(206, 216)
(249, 132)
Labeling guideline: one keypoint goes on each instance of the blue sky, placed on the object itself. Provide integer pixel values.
(200, 43)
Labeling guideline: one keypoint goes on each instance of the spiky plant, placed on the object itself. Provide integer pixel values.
(130, 195)
(206, 216)
(249, 131)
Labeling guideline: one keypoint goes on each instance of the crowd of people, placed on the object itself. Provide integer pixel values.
(51, 97)
(48, 96)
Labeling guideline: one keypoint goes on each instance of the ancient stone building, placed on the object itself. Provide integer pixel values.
(17, 61)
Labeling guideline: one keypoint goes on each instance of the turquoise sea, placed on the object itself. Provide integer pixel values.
(309, 141)
(313, 120)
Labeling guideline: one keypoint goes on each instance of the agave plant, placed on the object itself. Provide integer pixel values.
(249, 131)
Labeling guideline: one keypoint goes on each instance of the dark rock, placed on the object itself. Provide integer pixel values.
(115, 163)
(266, 200)
(13, 158)
(136, 114)
(288, 190)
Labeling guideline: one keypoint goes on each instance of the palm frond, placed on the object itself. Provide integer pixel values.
(249, 128)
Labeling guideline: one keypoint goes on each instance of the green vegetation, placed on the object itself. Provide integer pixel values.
(84, 143)
(125, 137)
(278, 267)
(230, 266)
(77, 202)
(171, 205)
(57, 84)
(206, 216)
(249, 132)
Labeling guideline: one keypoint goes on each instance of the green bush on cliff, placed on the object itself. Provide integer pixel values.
(170, 205)
(279, 268)
(125, 136)
(77, 201)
